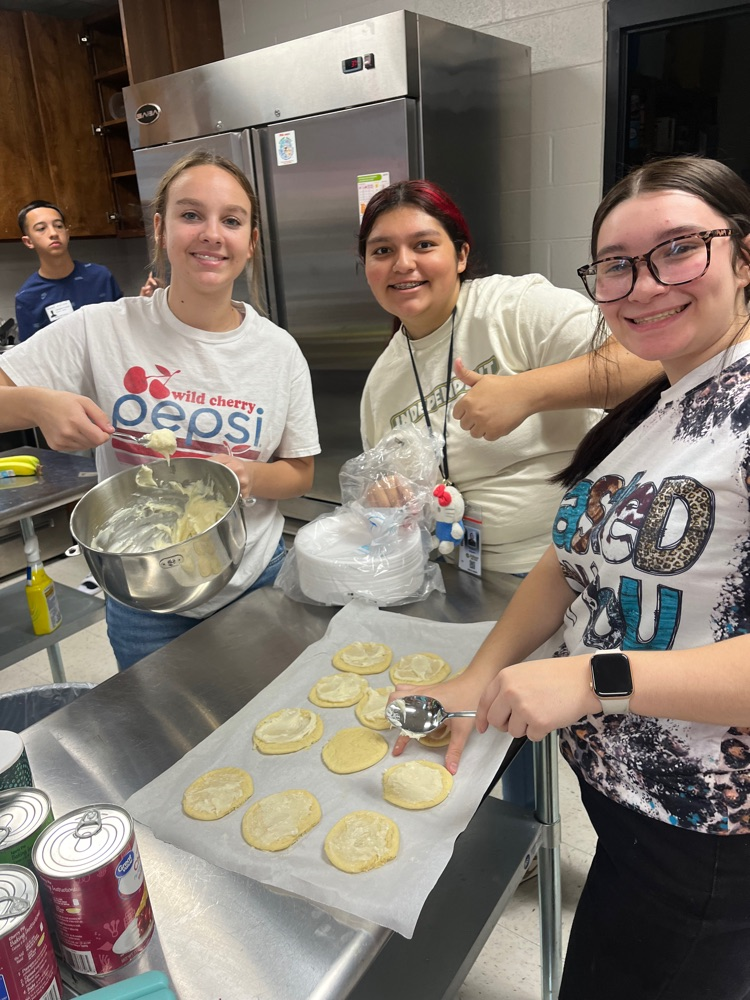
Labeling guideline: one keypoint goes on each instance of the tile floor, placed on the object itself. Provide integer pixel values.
(508, 966)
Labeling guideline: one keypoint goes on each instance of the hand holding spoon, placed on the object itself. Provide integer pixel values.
(418, 714)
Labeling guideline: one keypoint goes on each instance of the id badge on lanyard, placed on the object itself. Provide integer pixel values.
(470, 552)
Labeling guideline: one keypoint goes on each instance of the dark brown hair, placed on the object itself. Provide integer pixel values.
(724, 191)
(430, 198)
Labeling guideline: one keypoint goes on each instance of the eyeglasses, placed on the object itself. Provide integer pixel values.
(673, 262)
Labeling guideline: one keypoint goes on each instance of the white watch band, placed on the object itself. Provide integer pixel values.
(615, 706)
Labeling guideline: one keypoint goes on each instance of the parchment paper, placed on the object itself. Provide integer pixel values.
(393, 895)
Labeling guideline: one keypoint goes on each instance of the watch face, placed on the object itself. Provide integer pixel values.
(611, 675)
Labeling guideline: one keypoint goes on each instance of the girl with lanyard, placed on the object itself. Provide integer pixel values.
(415, 245)
(518, 338)
(229, 381)
(647, 594)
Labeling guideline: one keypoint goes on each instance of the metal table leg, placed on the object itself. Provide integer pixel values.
(550, 903)
(53, 652)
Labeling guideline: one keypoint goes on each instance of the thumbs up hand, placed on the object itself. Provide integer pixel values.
(494, 405)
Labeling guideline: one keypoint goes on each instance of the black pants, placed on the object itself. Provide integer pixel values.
(664, 914)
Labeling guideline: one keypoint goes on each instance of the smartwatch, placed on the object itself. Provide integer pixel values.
(612, 682)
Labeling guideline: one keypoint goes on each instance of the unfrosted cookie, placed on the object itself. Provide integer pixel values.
(217, 793)
(287, 730)
(420, 668)
(416, 784)
(277, 821)
(363, 658)
(370, 709)
(353, 750)
(338, 691)
(439, 737)
(361, 841)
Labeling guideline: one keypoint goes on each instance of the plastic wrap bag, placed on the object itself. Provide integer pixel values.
(376, 546)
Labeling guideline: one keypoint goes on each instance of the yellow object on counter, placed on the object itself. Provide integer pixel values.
(20, 465)
(40, 592)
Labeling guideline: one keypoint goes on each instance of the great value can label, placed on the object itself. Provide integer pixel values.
(28, 968)
(90, 868)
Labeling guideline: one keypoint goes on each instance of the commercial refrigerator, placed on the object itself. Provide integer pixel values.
(318, 124)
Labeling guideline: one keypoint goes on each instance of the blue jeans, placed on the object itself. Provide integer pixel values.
(134, 634)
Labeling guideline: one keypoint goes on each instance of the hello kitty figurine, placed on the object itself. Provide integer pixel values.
(449, 528)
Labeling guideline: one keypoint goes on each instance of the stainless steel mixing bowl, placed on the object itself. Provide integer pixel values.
(176, 578)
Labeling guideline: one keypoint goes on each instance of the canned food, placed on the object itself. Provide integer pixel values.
(24, 813)
(28, 968)
(89, 864)
(14, 764)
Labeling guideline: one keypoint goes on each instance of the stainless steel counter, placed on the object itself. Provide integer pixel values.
(221, 936)
(64, 478)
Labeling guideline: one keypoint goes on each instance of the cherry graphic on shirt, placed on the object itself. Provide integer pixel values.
(136, 380)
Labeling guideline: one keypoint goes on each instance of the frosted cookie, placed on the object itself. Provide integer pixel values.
(288, 730)
(277, 821)
(370, 709)
(420, 668)
(363, 658)
(416, 784)
(353, 750)
(217, 793)
(439, 737)
(361, 841)
(338, 691)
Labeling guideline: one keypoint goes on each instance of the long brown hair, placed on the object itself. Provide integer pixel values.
(202, 158)
(724, 191)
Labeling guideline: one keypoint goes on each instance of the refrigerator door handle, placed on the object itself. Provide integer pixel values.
(259, 140)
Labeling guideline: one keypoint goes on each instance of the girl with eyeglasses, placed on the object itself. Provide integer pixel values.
(646, 593)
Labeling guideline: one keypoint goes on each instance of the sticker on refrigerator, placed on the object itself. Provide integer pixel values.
(286, 148)
(367, 186)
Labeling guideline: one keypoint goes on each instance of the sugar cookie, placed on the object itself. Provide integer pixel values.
(370, 709)
(338, 691)
(217, 793)
(361, 841)
(420, 668)
(353, 750)
(277, 821)
(363, 658)
(287, 730)
(416, 784)
(439, 737)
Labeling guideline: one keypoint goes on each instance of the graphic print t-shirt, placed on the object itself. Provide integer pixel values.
(656, 543)
(248, 390)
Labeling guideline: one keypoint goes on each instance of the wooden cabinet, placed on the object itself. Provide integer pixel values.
(103, 38)
(47, 104)
(141, 40)
(63, 133)
(166, 36)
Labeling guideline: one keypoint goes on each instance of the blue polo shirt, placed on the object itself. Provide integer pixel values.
(40, 301)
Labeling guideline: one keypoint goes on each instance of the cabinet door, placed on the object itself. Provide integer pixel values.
(67, 107)
(24, 173)
(166, 36)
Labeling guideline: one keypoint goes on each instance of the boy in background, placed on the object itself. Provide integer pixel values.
(61, 285)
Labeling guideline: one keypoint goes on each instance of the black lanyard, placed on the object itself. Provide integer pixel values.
(448, 380)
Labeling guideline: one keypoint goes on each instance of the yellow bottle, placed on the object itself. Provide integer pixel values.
(40, 592)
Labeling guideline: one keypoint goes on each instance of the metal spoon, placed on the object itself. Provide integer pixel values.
(418, 714)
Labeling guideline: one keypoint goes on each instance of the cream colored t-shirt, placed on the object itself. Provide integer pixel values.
(504, 325)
